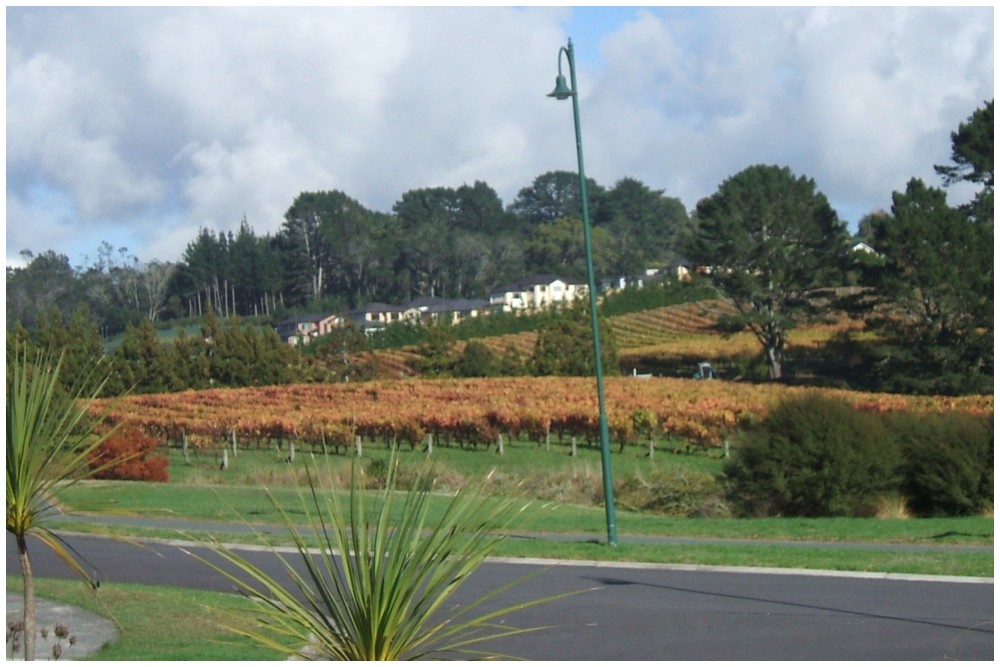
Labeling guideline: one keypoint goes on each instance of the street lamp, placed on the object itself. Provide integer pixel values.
(561, 92)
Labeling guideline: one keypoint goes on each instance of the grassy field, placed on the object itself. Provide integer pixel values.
(566, 518)
(157, 622)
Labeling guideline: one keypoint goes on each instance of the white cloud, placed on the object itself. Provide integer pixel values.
(157, 121)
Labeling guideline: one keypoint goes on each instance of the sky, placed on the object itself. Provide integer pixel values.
(139, 126)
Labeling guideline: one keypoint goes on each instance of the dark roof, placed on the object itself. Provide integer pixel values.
(377, 308)
(306, 317)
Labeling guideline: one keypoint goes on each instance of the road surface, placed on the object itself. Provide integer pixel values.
(645, 612)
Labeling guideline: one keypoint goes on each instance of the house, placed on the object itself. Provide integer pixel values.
(304, 328)
(537, 291)
(376, 316)
(623, 282)
(436, 309)
(860, 246)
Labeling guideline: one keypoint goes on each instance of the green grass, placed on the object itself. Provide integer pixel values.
(158, 622)
(247, 504)
(553, 528)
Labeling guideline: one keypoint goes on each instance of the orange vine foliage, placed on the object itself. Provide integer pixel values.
(477, 411)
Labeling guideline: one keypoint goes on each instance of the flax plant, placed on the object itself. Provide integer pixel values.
(379, 584)
(49, 440)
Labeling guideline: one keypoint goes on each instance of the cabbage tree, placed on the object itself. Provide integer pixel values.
(373, 580)
(49, 441)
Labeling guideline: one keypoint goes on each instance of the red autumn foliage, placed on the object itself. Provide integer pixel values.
(132, 449)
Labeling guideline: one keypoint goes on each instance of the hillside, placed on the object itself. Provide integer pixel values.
(666, 341)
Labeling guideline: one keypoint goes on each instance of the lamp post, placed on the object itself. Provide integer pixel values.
(561, 92)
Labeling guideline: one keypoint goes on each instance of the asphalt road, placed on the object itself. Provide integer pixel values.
(660, 613)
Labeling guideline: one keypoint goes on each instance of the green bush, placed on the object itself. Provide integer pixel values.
(814, 456)
(948, 462)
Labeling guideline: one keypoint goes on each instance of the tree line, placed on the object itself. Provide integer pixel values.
(767, 240)
(772, 243)
(332, 253)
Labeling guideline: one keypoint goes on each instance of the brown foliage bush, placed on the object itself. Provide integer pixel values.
(132, 450)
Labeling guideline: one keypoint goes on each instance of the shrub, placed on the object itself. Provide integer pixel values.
(814, 456)
(948, 462)
(672, 492)
(132, 450)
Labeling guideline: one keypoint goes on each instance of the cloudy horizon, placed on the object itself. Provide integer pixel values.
(139, 126)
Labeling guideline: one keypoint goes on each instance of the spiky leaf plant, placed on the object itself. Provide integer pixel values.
(376, 587)
(49, 439)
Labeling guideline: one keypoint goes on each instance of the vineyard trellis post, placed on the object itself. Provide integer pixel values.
(562, 92)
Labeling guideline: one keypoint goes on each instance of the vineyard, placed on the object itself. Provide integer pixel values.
(479, 412)
(680, 331)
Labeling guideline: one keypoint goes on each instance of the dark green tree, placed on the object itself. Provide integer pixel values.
(477, 361)
(201, 277)
(558, 247)
(938, 277)
(972, 150)
(646, 225)
(438, 352)
(306, 248)
(554, 195)
(142, 364)
(565, 345)
(346, 352)
(451, 242)
(46, 281)
(768, 238)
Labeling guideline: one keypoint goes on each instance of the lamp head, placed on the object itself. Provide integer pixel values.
(562, 91)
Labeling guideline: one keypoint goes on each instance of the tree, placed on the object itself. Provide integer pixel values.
(203, 272)
(938, 276)
(307, 249)
(972, 150)
(390, 594)
(769, 238)
(558, 247)
(155, 279)
(476, 361)
(46, 281)
(142, 363)
(346, 351)
(646, 225)
(438, 351)
(49, 441)
(554, 195)
(565, 345)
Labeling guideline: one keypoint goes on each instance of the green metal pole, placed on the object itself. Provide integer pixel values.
(609, 497)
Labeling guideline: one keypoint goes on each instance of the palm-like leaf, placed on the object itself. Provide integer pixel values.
(384, 597)
(49, 441)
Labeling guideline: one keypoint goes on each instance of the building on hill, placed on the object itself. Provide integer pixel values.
(537, 291)
(304, 328)
(623, 282)
(374, 316)
(436, 309)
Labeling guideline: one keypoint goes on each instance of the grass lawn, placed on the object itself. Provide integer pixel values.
(158, 622)
(572, 528)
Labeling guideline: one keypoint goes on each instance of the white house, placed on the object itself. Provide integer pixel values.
(538, 291)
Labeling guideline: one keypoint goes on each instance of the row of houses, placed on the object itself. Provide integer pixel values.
(533, 292)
